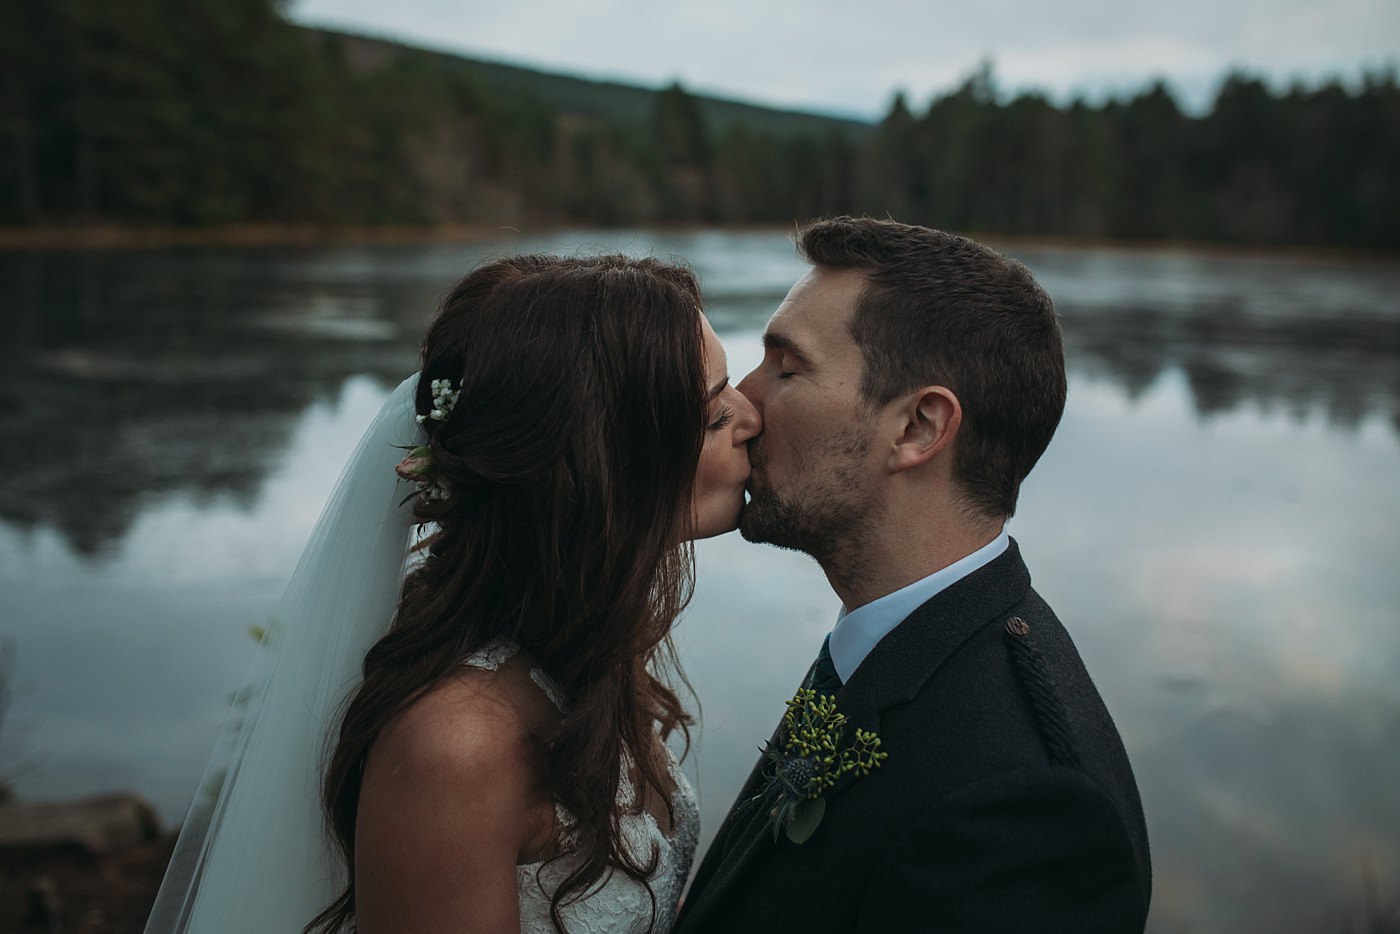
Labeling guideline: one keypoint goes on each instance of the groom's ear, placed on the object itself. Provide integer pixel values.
(929, 421)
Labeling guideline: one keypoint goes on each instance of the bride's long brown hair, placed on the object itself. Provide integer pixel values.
(569, 459)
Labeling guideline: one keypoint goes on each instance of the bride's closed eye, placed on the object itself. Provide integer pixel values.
(726, 415)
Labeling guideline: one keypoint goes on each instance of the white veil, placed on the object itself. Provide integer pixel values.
(253, 854)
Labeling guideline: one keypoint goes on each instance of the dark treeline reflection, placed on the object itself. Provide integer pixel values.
(217, 111)
(1346, 367)
(130, 375)
(1307, 336)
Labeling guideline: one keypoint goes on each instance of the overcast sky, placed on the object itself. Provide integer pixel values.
(847, 56)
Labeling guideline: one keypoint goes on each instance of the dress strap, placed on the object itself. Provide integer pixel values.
(550, 687)
(493, 654)
(500, 650)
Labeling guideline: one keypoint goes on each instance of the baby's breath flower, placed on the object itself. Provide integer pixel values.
(444, 399)
(419, 462)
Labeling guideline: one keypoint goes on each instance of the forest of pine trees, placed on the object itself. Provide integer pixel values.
(200, 112)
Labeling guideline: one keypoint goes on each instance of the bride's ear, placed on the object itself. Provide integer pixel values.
(929, 421)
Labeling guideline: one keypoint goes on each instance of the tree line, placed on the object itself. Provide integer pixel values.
(198, 112)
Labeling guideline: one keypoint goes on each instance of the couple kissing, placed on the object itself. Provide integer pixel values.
(465, 722)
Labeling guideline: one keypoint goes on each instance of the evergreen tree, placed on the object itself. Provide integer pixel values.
(215, 111)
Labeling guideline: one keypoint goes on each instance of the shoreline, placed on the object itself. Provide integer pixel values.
(117, 237)
(123, 237)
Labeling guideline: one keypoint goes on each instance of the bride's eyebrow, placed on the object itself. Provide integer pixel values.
(716, 389)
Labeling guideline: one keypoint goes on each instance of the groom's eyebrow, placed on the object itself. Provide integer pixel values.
(773, 340)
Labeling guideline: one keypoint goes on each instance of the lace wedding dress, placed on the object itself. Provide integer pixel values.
(618, 903)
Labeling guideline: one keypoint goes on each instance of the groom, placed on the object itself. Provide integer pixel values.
(909, 383)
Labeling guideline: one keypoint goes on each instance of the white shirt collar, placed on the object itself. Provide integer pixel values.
(858, 631)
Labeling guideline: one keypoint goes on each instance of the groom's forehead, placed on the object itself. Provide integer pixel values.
(816, 313)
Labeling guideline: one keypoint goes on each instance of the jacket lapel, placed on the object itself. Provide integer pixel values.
(899, 666)
(893, 673)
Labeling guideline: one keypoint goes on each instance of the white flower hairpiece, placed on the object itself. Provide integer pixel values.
(444, 399)
(418, 465)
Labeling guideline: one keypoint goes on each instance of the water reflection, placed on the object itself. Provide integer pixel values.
(1302, 336)
(1343, 366)
(131, 376)
(1215, 521)
(128, 376)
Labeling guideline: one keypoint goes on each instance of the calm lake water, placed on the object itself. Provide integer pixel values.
(1216, 522)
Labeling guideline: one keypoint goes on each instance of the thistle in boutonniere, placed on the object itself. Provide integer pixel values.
(808, 759)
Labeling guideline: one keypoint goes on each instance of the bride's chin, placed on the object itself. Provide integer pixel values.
(713, 522)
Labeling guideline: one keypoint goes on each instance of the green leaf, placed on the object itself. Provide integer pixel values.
(806, 819)
(781, 816)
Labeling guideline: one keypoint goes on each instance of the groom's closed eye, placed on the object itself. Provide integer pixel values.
(790, 356)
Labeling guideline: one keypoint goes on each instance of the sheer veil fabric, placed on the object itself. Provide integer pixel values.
(253, 853)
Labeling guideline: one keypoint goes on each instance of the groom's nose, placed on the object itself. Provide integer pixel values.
(748, 421)
(749, 388)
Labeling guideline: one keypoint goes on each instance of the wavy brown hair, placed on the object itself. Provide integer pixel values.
(570, 458)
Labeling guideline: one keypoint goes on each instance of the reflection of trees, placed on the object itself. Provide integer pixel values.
(128, 376)
(136, 374)
(1341, 361)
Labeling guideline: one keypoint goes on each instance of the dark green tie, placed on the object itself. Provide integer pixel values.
(824, 679)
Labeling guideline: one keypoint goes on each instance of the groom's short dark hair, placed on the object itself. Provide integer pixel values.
(943, 310)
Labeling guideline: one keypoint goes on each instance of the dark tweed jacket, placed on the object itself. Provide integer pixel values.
(1006, 804)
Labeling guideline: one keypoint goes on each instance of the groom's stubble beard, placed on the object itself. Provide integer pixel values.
(827, 511)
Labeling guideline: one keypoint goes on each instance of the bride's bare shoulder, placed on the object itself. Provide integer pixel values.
(448, 803)
(477, 725)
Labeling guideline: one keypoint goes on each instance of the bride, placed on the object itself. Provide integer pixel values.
(498, 757)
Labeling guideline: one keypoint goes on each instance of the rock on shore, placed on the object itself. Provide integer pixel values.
(80, 866)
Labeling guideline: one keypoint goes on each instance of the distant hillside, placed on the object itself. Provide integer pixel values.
(198, 113)
(601, 100)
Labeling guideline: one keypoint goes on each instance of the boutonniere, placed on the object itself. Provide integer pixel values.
(809, 756)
